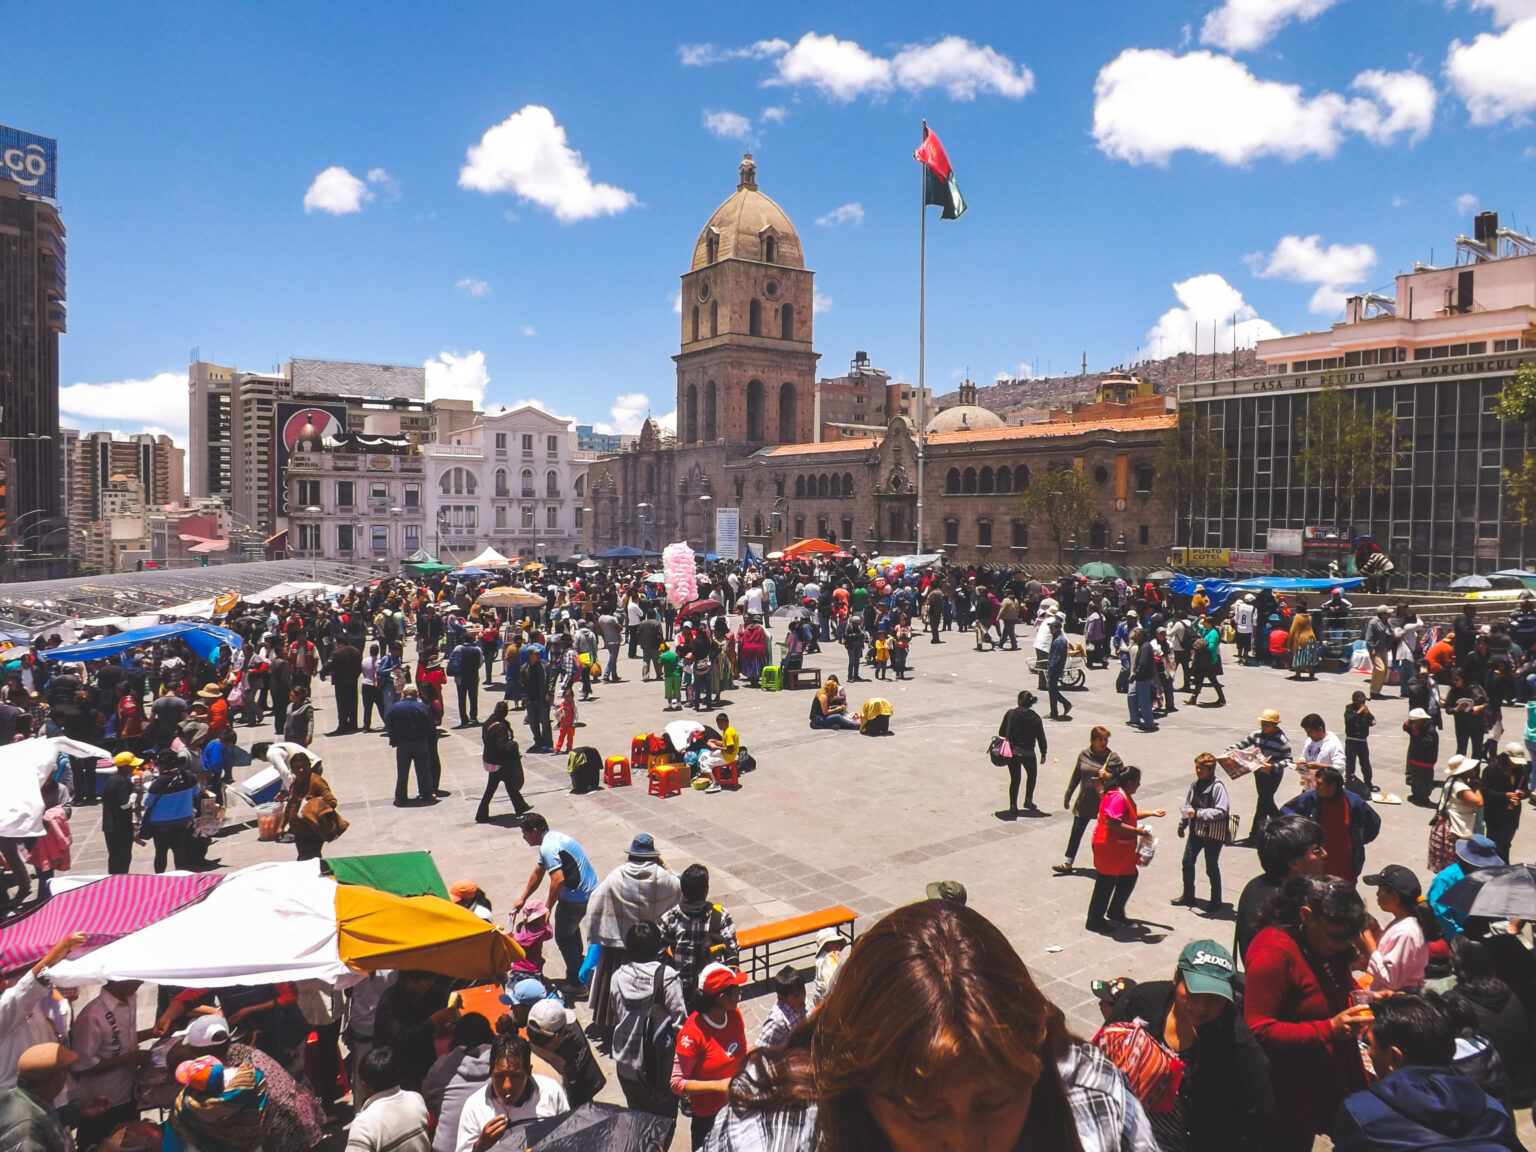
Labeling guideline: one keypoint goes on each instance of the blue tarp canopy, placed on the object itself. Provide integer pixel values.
(624, 552)
(201, 638)
(751, 557)
(1220, 591)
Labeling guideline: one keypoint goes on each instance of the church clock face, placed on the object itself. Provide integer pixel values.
(703, 289)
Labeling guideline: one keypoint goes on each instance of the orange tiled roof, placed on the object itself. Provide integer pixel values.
(1133, 424)
(863, 444)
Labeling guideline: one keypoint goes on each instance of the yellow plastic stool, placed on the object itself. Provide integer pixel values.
(771, 679)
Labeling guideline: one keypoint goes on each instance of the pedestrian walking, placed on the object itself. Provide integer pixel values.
(1205, 819)
(1116, 842)
(1358, 722)
(503, 762)
(1022, 729)
(1272, 743)
(1056, 665)
(1093, 762)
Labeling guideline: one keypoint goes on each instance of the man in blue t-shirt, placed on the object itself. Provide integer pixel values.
(572, 880)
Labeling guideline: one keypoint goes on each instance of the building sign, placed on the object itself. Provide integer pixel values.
(1285, 541)
(301, 426)
(1325, 536)
(28, 160)
(1252, 562)
(381, 463)
(728, 533)
(1200, 557)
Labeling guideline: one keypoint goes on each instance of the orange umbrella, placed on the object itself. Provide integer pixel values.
(381, 930)
(810, 547)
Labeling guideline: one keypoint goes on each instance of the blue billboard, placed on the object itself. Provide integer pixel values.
(28, 160)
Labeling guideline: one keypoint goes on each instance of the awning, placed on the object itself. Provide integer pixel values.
(429, 567)
(403, 873)
(105, 909)
(511, 598)
(381, 930)
(202, 638)
(490, 558)
(809, 547)
(1220, 590)
(24, 767)
(210, 546)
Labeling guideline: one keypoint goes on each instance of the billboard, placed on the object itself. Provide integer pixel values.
(728, 533)
(301, 424)
(1285, 541)
(28, 160)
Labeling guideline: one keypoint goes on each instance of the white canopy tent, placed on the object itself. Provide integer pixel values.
(24, 767)
(490, 558)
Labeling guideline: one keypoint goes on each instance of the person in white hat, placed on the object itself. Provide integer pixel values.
(1244, 615)
(1506, 782)
(831, 944)
(1380, 642)
(1423, 752)
(1463, 794)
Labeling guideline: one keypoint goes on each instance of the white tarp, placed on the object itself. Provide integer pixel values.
(263, 924)
(24, 767)
(192, 608)
(289, 589)
(490, 558)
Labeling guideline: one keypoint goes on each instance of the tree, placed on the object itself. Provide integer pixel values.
(1061, 499)
(1517, 405)
(1187, 471)
(1346, 451)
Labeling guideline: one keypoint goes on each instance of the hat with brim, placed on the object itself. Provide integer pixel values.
(1248, 598)
(43, 1060)
(1419, 714)
(126, 760)
(1269, 716)
(828, 937)
(526, 991)
(643, 847)
(1479, 852)
(211, 692)
(1399, 879)
(1516, 752)
(1461, 765)
(1207, 969)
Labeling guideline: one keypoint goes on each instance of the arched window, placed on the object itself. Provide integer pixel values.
(711, 249)
(985, 483)
(552, 483)
(968, 481)
(501, 483)
(1004, 479)
(823, 488)
(757, 524)
(695, 322)
(769, 247)
(787, 322)
(1020, 478)
(714, 317)
(848, 487)
(788, 425)
(710, 432)
(835, 486)
(1098, 536)
(799, 487)
(458, 482)
(691, 414)
(755, 414)
(581, 487)
(952, 482)
(755, 318)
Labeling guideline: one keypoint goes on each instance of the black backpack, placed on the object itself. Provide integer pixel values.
(586, 765)
(658, 1035)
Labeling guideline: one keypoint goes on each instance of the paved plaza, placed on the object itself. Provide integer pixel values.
(839, 818)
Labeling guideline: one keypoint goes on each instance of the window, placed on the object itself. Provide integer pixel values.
(711, 249)
(968, 481)
(787, 322)
(527, 444)
(580, 487)
(755, 318)
(412, 537)
(380, 539)
(309, 493)
(755, 405)
(1143, 478)
(458, 482)
(986, 482)
(501, 516)
(527, 481)
(799, 527)
(1101, 475)
(1098, 536)
(695, 322)
(769, 246)
(847, 483)
(714, 317)
(952, 532)
(378, 497)
(823, 487)
(309, 537)
(551, 517)
(1144, 536)
(799, 487)
(710, 433)
(1020, 478)
(983, 533)
(552, 483)
(952, 482)
(552, 446)
(501, 443)
(346, 493)
(344, 538)
(821, 527)
(848, 529)
(898, 524)
(835, 488)
(413, 495)
(1020, 534)
(691, 414)
(527, 515)
(581, 518)
(502, 488)
(1004, 480)
(788, 429)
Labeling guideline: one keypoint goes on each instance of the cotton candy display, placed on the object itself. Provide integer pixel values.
(681, 573)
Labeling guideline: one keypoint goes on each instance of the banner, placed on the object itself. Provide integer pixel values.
(28, 161)
(301, 425)
(1200, 557)
(1285, 541)
(728, 533)
(1252, 562)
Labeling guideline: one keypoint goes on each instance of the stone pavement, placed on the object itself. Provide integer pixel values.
(836, 817)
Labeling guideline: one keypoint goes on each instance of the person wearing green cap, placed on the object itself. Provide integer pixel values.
(1224, 1101)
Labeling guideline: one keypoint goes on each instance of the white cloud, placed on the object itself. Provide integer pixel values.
(627, 415)
(385, 183)
(1242, 25)
(820, 303)
(1466, 204)
(1507, 12)
(964, 70)
(843, 214)
(774, 114)
(1211, 304)
(1399, 201)
(527, 154)
(529, 330)
(454, 377)
(1304, 260)
(1149, 104)
(843, 70)
(336, 191)
(160, 400)
(472, 287)
(1024, 371)
(727, 125)
(677, 303)
(1493, 74)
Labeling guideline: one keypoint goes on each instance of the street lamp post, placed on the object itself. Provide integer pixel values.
(442, 522)
(645, 509)
(705, 501)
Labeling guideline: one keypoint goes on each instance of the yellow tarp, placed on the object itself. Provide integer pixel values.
(381, 930)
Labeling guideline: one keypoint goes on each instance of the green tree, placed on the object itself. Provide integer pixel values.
(1517, 405)
(1062, 500)
(1188, 468)
(1346, 451)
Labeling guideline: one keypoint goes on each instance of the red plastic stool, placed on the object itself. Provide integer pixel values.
(726, 777)
(664, 782)
(640, 752)
(616, 772)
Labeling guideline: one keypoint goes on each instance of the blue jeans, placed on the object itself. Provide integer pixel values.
(568, 917)
(1141, 703)
(613, 662)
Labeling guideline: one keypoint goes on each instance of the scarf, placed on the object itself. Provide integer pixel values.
(227, 1121)
(635, 891)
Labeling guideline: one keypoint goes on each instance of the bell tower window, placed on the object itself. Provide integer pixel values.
(714, 317)
(755, 402)
(787, 322)
(769, 246)
(711, 249)
(695, 322)
(755, 318)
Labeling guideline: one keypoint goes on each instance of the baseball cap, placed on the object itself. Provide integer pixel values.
(717, 978)
(126, 760)
(1107, 991)
(525, 991)
(548, 1017)
(207, 1031)
(1207, 969)
(1398, 878)
(947, 890)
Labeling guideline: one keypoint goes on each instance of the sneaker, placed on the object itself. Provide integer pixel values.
(1062, 869)
(711, 789)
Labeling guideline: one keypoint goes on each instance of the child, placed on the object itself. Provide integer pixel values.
(565, 717)
(787, 1011)
(530, 928)
(882, 655)
(671, 678)
(1358, 722)
(1423, 751)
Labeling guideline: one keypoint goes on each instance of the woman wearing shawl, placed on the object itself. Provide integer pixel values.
(636, 892)
(221, 1108)
(752, 644)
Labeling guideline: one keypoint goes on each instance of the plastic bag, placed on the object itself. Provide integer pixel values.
(1146, 849)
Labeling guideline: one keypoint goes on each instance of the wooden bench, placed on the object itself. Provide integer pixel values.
(802, 678)
(768, 946)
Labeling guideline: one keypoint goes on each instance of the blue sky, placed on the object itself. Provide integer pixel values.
(1265, 156)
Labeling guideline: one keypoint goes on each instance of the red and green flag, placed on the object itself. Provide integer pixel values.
(939, 184)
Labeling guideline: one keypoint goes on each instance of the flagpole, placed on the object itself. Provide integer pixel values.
(922, 330)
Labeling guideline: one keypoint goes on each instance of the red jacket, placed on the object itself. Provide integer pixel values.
(1290, 1010)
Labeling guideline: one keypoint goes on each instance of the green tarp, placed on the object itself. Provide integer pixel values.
(431, 567)
(403, 873)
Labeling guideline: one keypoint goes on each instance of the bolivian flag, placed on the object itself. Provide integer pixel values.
(939, 184)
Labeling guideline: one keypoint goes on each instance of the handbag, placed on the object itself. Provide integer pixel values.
(1223, 831)
(1000, 751)
(1153, 1071)
(1442, 840)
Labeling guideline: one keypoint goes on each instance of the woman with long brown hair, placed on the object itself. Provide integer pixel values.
(933, 1036)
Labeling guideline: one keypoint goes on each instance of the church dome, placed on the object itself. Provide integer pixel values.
(749, 226)
(966, 416)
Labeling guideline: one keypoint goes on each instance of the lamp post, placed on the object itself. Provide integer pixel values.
(705, 501)
(442, 522)
(645, 509)
(781, 516)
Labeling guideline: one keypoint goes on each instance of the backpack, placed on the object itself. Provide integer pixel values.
(586, 767)
(453, 662)
(658, 1035)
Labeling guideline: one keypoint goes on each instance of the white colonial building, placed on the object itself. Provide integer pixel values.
(514, 482)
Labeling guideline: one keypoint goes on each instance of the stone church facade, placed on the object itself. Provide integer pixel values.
(746, 388)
